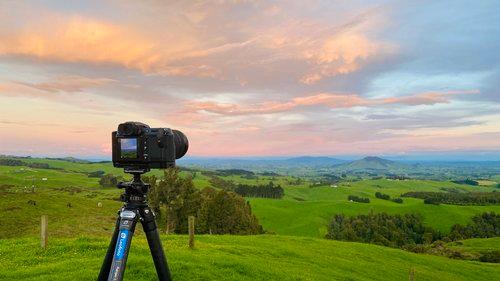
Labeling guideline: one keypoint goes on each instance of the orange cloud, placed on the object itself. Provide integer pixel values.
(77, 39)
(68, 84)
(341, 54)
(188, 41)
(428, 98)
(325, 99)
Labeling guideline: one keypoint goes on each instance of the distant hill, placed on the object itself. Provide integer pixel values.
(259, 165)
(314, 161)
(72, 160)
(372, 163)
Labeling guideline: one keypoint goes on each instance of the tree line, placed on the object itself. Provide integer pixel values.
(269, 190)
(466, 181)
(383, 196)
(355, 198)
(403, 231)
(174, 199)
(455, 198)
(16, 162)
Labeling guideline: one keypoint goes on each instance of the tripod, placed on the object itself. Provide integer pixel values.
(135, 209)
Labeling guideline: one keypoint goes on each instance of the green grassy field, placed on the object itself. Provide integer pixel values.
(264, 257)
(306, 211)
(473, 248)
(70, 199)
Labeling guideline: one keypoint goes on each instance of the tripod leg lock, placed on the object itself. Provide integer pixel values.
(148, 219)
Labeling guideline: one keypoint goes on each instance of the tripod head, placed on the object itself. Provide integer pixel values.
(135, 190)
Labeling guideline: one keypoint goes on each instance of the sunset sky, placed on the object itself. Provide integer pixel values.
(252, 78)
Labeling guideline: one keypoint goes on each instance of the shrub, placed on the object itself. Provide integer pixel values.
(109, 180)
(397, 200)
(382, 196)
(493, 256)
(431, 200)
(358, 199)
(96, 174)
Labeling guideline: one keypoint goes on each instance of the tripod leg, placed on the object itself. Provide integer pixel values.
(154, 242)
(127, 226)
(106, 264)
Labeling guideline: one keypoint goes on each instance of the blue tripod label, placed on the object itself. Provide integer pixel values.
(122, 244)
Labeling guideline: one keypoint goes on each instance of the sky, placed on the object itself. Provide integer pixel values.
(252, 78)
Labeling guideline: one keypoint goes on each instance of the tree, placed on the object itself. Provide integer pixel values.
(109, 180)
(175, 198)
(96, 174)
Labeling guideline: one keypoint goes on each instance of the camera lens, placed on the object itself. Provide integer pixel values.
(181, 144)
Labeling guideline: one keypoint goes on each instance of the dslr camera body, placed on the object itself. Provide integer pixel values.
(137, 147)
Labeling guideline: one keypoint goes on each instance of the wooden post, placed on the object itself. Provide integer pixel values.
(412, 274)
(43, 232)
(191, 231)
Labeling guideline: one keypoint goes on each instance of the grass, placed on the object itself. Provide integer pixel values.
(264, 257)
(70, 199)
(474, 248)
(306, 211)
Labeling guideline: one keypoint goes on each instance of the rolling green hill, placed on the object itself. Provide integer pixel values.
(371, 163)
(263, 257)
(79, 231)
(306, 211)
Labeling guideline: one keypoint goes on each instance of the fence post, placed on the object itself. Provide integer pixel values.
(191, 231)
(412, 274)
(43, 232)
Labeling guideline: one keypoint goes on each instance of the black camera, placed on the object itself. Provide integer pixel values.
(136, 146)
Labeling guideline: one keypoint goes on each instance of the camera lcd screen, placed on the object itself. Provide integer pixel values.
(128, 148)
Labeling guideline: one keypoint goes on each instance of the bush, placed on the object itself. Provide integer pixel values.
(397, 200)
(109, 180)
(382, 196)
(96, 174)
(355, 198)
(493, 256)
(431, 200)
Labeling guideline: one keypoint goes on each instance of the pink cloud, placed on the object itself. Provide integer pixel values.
(324, 99)
(68, 84)
(188, 42)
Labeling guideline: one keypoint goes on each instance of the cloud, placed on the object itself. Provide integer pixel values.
(295, 77)
(187, 42)
(77, 39)
(69, 84)
(65, 89)
(328, 100)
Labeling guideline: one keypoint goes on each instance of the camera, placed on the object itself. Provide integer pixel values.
(136, 146)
